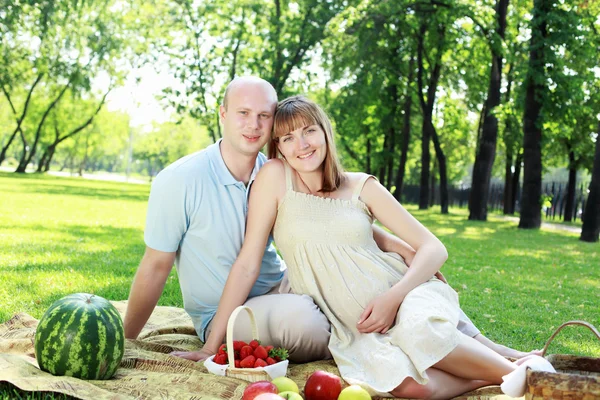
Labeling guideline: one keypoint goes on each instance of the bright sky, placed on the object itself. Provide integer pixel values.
(138, 96)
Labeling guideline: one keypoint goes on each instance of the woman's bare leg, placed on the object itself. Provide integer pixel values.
(441, 385)
(504, 350)
(473, 360)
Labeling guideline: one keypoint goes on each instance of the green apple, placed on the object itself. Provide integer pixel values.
(290, 395)
(285, 384)
(354, 392)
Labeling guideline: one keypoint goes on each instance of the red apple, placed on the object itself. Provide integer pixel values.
(322, 385)
(268, 396)
(254, 389)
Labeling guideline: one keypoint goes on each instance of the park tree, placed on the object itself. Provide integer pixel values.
(207, 44)
(486, 151)
(51, 48)
(590, 230)
(167, 142)
(367, 49)
(61, 125)
(536, 89)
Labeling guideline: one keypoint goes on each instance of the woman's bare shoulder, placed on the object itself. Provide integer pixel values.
(272, 169)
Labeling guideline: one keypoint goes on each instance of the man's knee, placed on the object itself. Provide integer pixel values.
(302, 328)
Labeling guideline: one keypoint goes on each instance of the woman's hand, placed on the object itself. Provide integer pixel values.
(200, 355)
(380, 314)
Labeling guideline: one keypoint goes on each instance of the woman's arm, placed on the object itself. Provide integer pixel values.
(430, 256)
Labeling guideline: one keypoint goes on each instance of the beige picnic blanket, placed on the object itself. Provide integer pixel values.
(147, 371)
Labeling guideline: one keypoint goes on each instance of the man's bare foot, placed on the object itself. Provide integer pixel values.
(512, 353)
(505, 351)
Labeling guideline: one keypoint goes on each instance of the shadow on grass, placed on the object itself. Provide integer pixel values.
(116, 192)
(99, 260)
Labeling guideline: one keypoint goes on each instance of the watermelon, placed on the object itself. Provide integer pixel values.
(80, 335)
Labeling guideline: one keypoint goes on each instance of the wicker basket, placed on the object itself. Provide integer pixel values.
(576, 378)
(247, 374)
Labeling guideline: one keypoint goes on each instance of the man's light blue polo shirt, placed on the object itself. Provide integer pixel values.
(198, 209)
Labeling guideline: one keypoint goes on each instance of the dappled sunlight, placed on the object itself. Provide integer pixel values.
(445, 231)
(515, 284)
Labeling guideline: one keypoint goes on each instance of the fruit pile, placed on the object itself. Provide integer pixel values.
(251, 355)
(320, 385)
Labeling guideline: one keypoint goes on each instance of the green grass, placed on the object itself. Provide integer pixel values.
(67, 235)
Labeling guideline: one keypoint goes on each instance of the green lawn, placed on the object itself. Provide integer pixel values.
(64, 235)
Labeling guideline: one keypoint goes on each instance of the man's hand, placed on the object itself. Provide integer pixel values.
(379, 315)
(441, 277)
(200, 355)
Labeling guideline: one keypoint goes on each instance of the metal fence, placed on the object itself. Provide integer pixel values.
(554, 197)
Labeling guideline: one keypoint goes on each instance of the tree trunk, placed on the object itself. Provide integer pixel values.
(432, 185)
(486, 152)
(20, 119)
(23, 153)
(428, 130)
(42, 161)
(571, 187)
(425, 161)
(531, 205)
(405, 132)
(368, 158)
(5, 147)
(441, 162)
(390, 150)
(516, 183)
(508, 177)
(24, 162)
(590, 231)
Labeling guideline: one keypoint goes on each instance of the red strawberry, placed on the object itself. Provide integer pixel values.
(248, 362)
(268, 348)
(261, 353)
(236, 355)
(220, 359)
(254, 343)
(271, 361)
(260, 363)
(245, 352)
(222, 349)
(238, 344)
(237, 364)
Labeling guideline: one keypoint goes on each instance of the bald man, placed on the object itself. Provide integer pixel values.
(196, 220)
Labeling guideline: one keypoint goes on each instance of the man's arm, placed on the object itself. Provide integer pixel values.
(392, 243)
(146, 289)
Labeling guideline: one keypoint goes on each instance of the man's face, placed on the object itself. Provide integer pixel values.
(248, 120)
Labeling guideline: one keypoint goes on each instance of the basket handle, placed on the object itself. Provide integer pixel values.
(582, 323)
(230, 324)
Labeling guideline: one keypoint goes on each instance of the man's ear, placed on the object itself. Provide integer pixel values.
(222, 112)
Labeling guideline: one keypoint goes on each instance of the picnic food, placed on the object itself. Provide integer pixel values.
(80, 335)
(322, 385)
(251, 355)
(257, 388)
(289, 395)
(285, 384)
(354, 392)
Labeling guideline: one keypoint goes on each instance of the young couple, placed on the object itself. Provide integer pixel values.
(392, 329)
